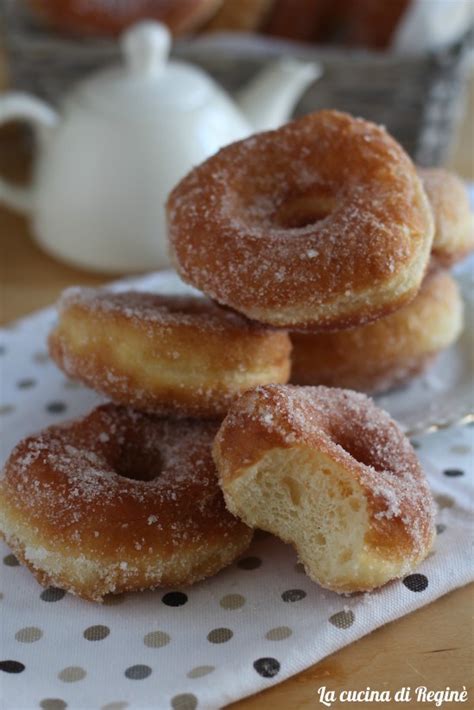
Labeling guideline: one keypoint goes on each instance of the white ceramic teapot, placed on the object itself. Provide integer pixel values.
(107, 161)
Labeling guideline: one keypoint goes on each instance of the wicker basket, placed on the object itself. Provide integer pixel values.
(418, 98)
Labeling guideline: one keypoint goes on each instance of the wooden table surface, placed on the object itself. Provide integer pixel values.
(432, 646)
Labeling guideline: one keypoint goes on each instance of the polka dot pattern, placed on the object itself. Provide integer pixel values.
(96, 633)
(178, 647)
(29, 634)
(267, 667)
(220, 635)
(138, 672)
(52, 594)
(72, 674)
(185, 701)
(156, 639)
(416, 582)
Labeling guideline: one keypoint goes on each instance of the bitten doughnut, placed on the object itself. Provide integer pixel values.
(118, 501)
(321, 224)
(181, 355)
(454, 221)
(239, 16)
(381, 355)
(329, 472)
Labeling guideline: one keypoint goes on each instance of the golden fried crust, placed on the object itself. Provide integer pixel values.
(454, 220)
(118, 501)
(381, 355)
(239, 16)
(299, 442)
(181, 355)
(319, 225)
(97, 18)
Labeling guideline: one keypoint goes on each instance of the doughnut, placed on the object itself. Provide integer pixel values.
(111, 17)
(454, 221)
(118, 501)
(239, 16)
(322, 224)
(332, 474)
(379, 356)
(298, 20)
(178, 355)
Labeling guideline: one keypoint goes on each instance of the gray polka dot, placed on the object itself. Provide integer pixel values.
(1, 595)
(56, 407)
(53, 704)
(460, 449)
(96, 633)
(138, 672)
(343, 619)
(220, 635)
(41, 357)
(185, 701)
(7, 408)
(299, 567)
(26, 383)
(72, 674)
(279, 633)
(10, 561)
(115, 706)
(440, 528)
(156, 639)
(3, 350)
(29, 634)
(232, 601)
(200, 671)
(72, 384)
(52, 594)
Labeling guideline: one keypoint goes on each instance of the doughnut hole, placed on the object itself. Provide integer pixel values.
(311, 501)
(303, 210)
(138, 464)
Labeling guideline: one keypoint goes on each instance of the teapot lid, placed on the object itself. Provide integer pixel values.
(147, 80)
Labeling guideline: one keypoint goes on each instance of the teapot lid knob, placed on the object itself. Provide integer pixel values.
(146, 46)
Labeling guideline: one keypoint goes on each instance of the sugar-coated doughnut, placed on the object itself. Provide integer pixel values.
(321, 224)
(182, 355)
(454, 220)
(111, 17)
(239, 16)
(118, 501)
(329, 472)
(379, 356)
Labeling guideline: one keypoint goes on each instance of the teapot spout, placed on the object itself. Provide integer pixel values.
(269, 99)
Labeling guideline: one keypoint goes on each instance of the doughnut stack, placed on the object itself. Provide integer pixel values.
(323, 235)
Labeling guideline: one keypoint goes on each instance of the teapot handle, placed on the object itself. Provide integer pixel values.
(15, 106)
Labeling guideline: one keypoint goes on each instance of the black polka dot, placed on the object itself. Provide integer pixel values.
(11, 666)
(440, 528)
(96, 633)
(249, 563)
(174, 599)
(10, 561)
(52, 594)
(453, 472)
(220, 635)
(293, 595)
(138, 672)
(26, 383)
(416, 582)
(56, 407)
(267, 667)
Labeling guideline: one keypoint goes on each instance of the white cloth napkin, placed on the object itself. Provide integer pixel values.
(253, 625)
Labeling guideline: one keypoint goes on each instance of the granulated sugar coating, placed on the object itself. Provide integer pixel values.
(320, 224)
(176, 355)
(118, 501)
(356, 444)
